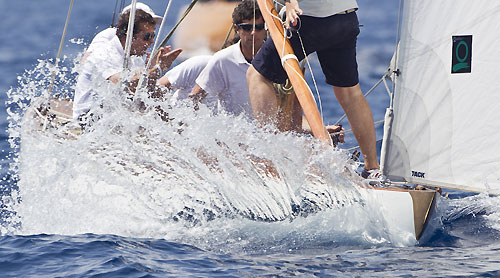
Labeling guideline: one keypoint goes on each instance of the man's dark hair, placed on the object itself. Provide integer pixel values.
(245, 11)
(140, 17)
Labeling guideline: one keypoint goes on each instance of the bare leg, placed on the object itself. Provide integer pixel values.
(360, 118)
(262, 97)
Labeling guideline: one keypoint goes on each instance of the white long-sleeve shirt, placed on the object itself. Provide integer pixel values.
(105, 57)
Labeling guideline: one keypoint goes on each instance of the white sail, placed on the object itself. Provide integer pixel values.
(445, 128)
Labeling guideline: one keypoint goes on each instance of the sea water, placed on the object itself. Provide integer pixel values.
(202, 195)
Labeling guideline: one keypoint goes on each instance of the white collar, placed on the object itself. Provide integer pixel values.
(238, 55)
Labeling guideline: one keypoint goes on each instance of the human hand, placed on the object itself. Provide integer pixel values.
(292, 13)
(336, 133)
(166, 57)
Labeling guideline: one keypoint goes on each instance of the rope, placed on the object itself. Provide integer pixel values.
(288, 56)
(272, 13)
(312, 75)
(285, 61)
(383, 79)
(283, 51)
(58, 57)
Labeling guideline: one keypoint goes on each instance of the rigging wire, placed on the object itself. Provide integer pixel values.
(169, 35)
(146, 73)
(114, 14)
(227, 36)
(253, 37)
(122, 5)
(367, 94)
(58, 57)
(130, 31)
(159, 32)
(357, 147)
(387, 86)
(165, 40)
(350, 130)
(384, 80)
(308, 64)
(120, 8)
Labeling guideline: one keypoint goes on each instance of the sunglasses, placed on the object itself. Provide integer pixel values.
(249, 26)
(148, 36)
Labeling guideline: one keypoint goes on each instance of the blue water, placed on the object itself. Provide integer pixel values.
(63, 214)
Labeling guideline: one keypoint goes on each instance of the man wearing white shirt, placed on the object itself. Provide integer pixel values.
(224, 78)
(329, 28)
(104, 58)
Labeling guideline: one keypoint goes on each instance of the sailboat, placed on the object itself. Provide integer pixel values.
(410, 207)
(440, 127)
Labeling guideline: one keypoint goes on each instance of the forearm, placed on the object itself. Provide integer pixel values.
(153, 75)
(197, 93)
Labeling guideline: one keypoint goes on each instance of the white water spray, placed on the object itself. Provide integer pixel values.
(198, 178)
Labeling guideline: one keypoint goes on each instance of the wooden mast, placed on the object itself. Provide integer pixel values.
(292, 68)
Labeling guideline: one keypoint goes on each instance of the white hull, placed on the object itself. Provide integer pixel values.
(407, 209)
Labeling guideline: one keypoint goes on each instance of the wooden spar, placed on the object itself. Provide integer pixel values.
(292, 68)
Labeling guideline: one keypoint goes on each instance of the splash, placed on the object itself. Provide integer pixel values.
(185, 175)
(481, 206)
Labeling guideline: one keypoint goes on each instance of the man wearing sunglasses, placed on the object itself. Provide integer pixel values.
(329, 28)
(224, 78)
(104, 58)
